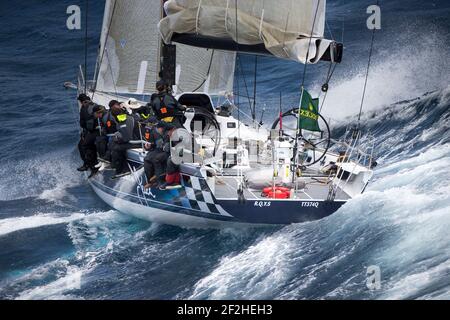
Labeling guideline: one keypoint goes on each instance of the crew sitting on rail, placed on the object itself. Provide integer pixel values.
(159, 169)
(121, 139)
(154, 141)
(165, 107)
(109, 128)
(89, 133)
(172, 178)
(143, 113)
(155, 162)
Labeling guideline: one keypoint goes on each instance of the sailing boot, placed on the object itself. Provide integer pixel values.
(84, 167)
(94, 171)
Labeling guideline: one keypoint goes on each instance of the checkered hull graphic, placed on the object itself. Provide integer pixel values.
(196, 195)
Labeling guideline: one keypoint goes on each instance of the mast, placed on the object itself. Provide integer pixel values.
(168, 60)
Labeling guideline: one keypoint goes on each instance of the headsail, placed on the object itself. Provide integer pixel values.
(282, 28)
(129, 48)
(130, 54)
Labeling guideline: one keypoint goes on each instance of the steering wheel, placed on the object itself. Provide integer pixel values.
(318, 142)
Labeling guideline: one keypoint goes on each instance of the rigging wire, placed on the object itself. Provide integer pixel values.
(297, 132)
(207, 73)
(241, 70)
(309, 43)
(112, 75)
(343, 24)
(86, 45)
(254, 88)
(331, 71)
(237, 49)
(329, 30)
(367, 74)
(104, 46)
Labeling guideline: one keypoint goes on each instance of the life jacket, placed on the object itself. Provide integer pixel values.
(153, 136)
(121, 117)
(110, 124)
(87, 117)
(148, 134)
(164, 106)
(143, 113)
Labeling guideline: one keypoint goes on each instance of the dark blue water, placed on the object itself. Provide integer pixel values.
(58, 240)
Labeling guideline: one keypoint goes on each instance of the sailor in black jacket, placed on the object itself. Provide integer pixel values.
(165, 107)
(89, 133)
(121, 139)
(154, 137)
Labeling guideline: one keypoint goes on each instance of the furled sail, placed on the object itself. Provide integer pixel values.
(291, 29)
(130, 54)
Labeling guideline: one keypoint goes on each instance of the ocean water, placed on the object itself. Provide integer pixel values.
(59, 241)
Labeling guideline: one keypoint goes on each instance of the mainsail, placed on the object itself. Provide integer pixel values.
(130, 54)
(291, 29)
(204, 70)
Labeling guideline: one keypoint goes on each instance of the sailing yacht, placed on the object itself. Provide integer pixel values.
(240, 173)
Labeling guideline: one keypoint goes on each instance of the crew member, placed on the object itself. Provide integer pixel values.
(121, 139)
(172, 178)
(154, 142)
(143, 113)
(162, 152)
(165, 107)
(109, 128)
(89, 133)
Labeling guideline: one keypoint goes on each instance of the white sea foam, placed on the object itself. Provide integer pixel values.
(254, 273)
(94, 236)
(57, 289)
(395, 75)
(43, 219)
(46, 176)
(408, 204)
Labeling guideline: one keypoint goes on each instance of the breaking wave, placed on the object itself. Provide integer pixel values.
(9, 225)
(46, 176)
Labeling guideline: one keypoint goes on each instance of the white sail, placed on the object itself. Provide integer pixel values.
(284, 27)
(130, 46)
(204, 70)
(130, 54)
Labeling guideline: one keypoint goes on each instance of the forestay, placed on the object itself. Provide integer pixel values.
(286, 28)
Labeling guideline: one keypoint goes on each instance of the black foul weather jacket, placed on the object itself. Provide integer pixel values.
(125, 128)
(87, 119)
(165, 105)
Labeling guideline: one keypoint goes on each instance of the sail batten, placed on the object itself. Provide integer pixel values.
(129, 50)
(290, 29)
(130, 54)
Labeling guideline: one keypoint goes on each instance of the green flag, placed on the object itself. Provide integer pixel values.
(309, 113)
